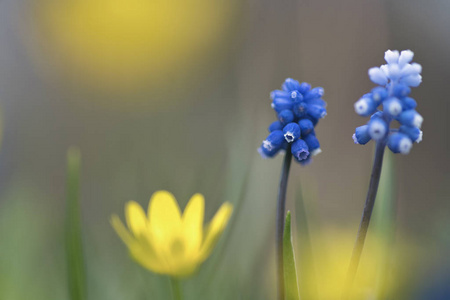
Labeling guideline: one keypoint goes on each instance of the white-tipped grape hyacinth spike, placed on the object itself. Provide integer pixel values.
(395, 80)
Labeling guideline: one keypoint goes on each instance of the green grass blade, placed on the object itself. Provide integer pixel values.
(307, 284)
(290, 272)
(384, 222)
(74, 247)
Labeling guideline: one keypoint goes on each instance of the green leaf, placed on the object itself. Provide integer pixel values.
(290, 272)
(384, 223)
(74, 248)
(308, 284)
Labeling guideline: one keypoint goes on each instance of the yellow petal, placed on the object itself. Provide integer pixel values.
(215, 229)
(144, 253)
(136, 219)
(140, 249)
(193, 223)
(164, 214)
(123, 233)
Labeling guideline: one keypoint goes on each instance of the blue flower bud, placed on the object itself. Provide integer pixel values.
(316, 101)
(365, 106)
(412, 80)
(401, 90)
(316, 92)
(313, 120)
(379, 94)
(399, 143)
(300, 109)
(291, 85)
(378, 114)
(394, 71)
(275, 126)
(296, 96)
(272, 144)
(286, 116)
(411, 69)
(378, 76)
(414, 133)
(280, 94)
(392, 106)
(316, 111)
(361, 135)
(385, 69)
(410, 118)
(391, 57)
(378, 128)
(313, 144)
(406, 57)
(304, 87)
(306, 126)
(300, 150)
(280, 104)
(408, 103)
(291, 132)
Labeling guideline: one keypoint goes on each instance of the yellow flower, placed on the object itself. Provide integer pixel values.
(167, 242)
(123, 45)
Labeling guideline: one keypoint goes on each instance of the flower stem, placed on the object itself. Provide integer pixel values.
(176, 289)
(365, 219)
(281, 207)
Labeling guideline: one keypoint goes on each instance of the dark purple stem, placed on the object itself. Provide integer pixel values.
(281, 207)
(365, 219)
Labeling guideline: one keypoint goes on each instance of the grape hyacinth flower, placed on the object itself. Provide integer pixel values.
(395, 80)
(387, 102)
(299, 108)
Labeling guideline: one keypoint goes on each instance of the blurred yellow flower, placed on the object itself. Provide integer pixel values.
(323, 275)
(167, 242)
(120, 45)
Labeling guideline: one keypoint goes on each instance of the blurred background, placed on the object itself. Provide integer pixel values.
(174, 95)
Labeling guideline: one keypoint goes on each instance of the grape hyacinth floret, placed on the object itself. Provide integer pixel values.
(298, 109)
(395, 80)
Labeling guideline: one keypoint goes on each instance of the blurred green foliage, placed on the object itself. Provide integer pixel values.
(290, 272)
(73, 232)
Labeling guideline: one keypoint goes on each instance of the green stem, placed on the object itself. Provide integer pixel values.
(176, 289)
